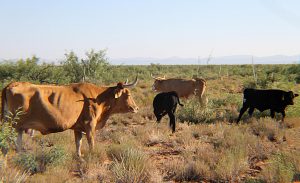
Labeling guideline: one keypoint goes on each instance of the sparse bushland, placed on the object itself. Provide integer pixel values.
(206, 146)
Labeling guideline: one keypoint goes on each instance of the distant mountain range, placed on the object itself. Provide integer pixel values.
(235, 59)
(227, 60)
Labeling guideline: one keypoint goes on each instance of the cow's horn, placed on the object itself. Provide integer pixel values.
(126, 82)
(152, 76)
(131, 84)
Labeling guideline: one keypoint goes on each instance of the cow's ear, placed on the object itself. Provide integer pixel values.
(296, 95)
(119, 90)
(118, 93)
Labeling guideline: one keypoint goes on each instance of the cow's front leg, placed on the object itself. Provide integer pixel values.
(90, 138)
(243, 109)
(90, 133)
(78, 140)
(283, 115)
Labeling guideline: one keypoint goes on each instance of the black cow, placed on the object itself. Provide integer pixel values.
(166, 103)
(275, 100)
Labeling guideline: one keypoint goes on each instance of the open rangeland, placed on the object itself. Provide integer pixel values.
(207, 146)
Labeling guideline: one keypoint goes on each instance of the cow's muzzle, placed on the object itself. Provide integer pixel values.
(153, 88)
(134, 109)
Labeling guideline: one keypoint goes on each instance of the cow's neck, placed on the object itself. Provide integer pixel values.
(105, 113)
(106, 102)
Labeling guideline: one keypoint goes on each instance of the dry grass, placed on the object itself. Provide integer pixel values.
(203, 152)
(134, 148)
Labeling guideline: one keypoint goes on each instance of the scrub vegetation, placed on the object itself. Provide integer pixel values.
(207, 146)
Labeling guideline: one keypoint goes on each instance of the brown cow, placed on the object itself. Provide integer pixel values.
(83, 107)
(183, 87)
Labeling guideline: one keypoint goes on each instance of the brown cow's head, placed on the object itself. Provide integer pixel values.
(157, 83)
(289, 97)
(124, 101)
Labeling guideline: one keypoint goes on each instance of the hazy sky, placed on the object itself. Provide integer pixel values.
(149, 28)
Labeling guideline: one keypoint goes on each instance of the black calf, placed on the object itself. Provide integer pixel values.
(275, 100)
(166, 103)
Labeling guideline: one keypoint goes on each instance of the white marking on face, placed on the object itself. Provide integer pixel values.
(244, 100)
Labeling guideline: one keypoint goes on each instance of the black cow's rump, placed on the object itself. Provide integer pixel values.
(275, 100)
(166, 103)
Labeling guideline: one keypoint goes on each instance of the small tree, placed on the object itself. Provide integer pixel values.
(91, 68)
(95, 64)
(72, 67)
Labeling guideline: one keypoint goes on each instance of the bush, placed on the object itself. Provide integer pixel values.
(37, 162)
(28, 162)
(131, 167)
(189, 170)
(280, 168)
(8, 134)
(192, 112)
(53, 156)
(232, 165)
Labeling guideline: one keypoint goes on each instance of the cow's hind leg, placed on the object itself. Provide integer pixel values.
(160, 116)
(78, 141)
(242, 111)
(172, 121)
(250, 112)
(19, 140)
(174, 109)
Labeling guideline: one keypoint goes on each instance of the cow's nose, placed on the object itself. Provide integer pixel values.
(153, 88)
(134, 109)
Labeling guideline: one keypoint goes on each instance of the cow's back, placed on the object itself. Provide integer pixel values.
(47, 108)
(182, 87)
(264, 99)
(165, 100)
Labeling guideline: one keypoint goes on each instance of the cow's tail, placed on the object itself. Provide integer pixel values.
(179, 101)
(201, 86)
(3, 103)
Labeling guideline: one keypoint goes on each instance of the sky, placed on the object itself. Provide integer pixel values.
(152, 28)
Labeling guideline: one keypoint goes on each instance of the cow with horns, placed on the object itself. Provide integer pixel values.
(82, 107)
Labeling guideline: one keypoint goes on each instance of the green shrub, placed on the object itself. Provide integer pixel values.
(280, 168)
(53, 156)
(8, 134)
(192, 112)
(37, 162)
(28, 162)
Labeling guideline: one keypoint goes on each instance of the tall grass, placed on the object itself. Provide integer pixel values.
(280, 168)
(129, 165)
